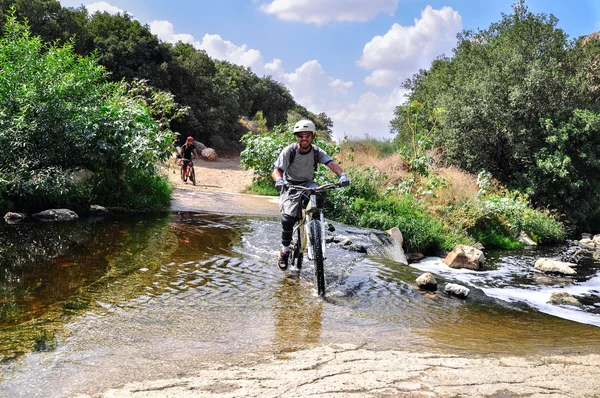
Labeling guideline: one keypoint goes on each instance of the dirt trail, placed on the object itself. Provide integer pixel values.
(349, 371)
(218, 190)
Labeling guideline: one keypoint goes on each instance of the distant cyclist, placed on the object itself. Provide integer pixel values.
(187, 153)
(296, 165)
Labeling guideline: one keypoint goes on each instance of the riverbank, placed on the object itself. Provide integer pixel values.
(352, 371)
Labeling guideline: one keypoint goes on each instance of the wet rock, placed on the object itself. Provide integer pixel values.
(550, 280)
(456, 290)
(478, 246)
(585, 235)
(355, 247)
(572, 254)
(414, 257)
(427, 282)
(525, 239)
(564, 298)
(98, 211)
(329, 239)
(345, 242)
(555, 266)
(13, 218)
(587, 243)
(463, 256)
(396, 234)
(329, 227)
(56, 215)
(339, 238)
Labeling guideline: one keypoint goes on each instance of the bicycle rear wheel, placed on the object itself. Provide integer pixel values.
(192, 175)
(316, 242)
(297, 255)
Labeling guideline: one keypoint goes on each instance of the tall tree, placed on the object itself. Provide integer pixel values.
(500, 91)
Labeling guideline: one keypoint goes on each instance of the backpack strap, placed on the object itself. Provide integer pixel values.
(293, 150)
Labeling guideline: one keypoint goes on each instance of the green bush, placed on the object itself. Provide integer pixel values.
(58, 113)
(143, 190)
(363, 204)
(543, 227)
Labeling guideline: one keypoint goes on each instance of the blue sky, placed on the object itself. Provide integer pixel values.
(346, 58)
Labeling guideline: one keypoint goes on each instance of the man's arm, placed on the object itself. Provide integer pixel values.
(276, 174)
(336, 168)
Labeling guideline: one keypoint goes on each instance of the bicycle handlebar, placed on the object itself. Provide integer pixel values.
(323, 187)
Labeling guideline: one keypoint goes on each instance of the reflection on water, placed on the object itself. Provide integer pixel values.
(153, 296)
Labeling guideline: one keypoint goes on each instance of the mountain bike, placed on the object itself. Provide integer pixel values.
(308, 236)
(189, 172)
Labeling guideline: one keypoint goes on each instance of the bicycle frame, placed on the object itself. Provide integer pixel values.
(310, 213)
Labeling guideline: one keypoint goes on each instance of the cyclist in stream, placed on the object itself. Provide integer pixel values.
(188, 153)
(296, 165)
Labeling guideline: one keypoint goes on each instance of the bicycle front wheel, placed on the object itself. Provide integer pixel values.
(316, 242)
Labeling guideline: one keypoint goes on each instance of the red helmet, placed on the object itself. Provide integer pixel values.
(190, 138)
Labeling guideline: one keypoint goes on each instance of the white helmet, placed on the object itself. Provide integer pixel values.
(304, 125)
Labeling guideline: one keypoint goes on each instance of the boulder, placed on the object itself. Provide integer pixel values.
(56, 215)
(555, 266)
(587, 243)
(199, 146)
(427, 282)
(414, 257)
(456, 290)
(396, 234)
(564, 298)
(13, 218)
(98, 211)
(209, 154)
(525, 239)
(463, 256)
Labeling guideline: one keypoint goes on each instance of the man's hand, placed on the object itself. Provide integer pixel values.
(343, 180)
(279, 184)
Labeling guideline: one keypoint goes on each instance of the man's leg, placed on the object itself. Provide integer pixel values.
(287, 228)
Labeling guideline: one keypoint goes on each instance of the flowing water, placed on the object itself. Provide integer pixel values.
(90, 304)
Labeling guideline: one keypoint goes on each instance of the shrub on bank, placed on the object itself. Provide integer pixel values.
(59, 113)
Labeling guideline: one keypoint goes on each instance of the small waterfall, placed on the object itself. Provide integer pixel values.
(385, 246)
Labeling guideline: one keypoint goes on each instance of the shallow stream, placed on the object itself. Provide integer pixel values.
(85, 306)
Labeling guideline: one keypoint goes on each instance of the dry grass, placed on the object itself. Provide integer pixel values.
(461, 186)
(367, 156)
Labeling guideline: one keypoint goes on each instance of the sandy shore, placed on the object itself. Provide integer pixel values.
(351, 371)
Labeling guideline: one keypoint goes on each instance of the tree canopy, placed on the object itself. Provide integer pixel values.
(516, 100)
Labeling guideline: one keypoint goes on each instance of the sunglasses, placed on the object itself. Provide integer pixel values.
(305, 135)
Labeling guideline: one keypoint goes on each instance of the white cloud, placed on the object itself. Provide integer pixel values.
(323, 11)
(165, 31)
(402, 51)
(382, 78)
(370, 115)
(216, 47)
(103, 6)
(309, 84)
(340, 86)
